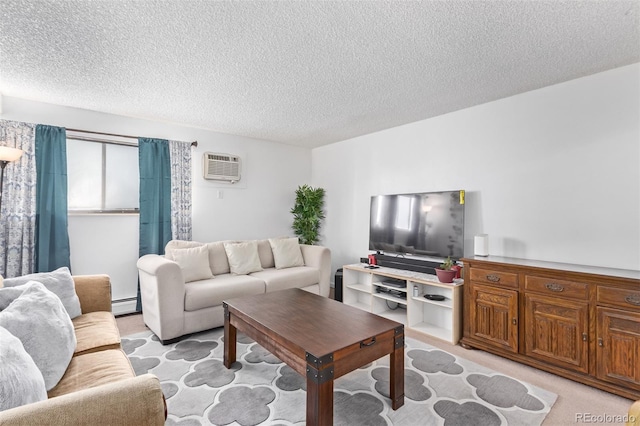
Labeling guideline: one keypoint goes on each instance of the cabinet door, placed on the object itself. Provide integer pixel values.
(557, 331)
(618, 350)
(494, 316)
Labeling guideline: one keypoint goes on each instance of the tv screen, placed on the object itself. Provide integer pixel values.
(429, 224)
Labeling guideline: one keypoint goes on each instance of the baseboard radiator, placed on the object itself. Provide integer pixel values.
(123, 306)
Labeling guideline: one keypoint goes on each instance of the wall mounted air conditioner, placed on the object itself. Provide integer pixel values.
(218, 166)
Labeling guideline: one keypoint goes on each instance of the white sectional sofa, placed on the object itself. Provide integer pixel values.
(182, 292)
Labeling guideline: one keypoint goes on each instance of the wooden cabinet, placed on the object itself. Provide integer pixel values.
(495, 316)
(557, 331)
(377, 291)
(579, 322)
(618, 349)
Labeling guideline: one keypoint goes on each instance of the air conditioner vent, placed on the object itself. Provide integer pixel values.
(219, 166)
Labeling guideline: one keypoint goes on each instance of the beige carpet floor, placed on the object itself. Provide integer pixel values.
(575, 401)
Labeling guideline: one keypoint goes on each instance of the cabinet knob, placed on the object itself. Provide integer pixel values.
(514, 321)
(554, 287)
(633, 299)
(493, 278)
(600, 342)
(584, 337)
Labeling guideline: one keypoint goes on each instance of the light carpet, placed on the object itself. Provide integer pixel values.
(259, 389)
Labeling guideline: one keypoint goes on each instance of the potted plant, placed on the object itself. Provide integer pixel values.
(445, 272)
(308, 214)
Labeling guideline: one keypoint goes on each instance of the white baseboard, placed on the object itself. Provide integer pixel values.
(122, 307)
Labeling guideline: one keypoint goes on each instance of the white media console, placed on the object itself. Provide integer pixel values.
(366, 289)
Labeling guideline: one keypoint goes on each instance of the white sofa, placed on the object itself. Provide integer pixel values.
(180, 297)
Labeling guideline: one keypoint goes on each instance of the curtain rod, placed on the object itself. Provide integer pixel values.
(194, 143)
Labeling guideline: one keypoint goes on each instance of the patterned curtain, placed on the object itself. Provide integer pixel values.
(180, 153)
(18, 215)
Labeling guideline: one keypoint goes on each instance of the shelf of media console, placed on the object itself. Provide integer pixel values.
(400, 274)
(368, 279)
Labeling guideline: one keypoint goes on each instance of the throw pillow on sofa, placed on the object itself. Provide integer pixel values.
(286, 252)
(194, 262)
(20, 380)
(37, 317)
(60, 282)
(243, 257)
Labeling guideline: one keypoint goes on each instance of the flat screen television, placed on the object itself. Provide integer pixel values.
(428, 224)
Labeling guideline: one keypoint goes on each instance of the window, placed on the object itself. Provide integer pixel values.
(102, 177)
(404, 212)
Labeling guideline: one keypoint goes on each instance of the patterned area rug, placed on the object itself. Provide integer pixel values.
(261, 390)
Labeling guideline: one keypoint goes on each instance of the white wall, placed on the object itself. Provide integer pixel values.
(552, 174)
(257, 207)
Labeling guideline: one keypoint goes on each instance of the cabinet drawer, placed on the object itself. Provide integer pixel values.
(620, 297)
(503, 279)
(553, 287)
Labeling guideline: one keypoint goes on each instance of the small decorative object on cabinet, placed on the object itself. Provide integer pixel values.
(576, 321)
(392, 293)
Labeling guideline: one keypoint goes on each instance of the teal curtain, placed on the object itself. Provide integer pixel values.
(155, 198)
(52, 235)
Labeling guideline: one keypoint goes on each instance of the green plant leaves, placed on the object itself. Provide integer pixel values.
(308, 213)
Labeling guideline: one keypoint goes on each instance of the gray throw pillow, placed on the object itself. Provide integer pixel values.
(20, 380)
(36, 317)
(60, 282)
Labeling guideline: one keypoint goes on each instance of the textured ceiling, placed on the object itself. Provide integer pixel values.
(303, 72)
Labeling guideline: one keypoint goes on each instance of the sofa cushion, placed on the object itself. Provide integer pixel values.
(194, 263)
(266, 254)
(208, 293)
(96, 331)
(243, 257)
(20, 380)
(179, 244)
(60, 282)
(218, 262)
(37, 317)
(92, 370)
(218, 258)
(282, 279)
(286, 252)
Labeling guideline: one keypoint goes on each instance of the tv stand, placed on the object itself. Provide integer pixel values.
(371, 291)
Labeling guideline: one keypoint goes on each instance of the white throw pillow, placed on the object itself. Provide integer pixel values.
(20, 380)
(60, 282)
(286, 252)
(37, 317)
(243, 257)
(194, 263)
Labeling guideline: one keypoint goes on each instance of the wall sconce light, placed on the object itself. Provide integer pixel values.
(7, 155)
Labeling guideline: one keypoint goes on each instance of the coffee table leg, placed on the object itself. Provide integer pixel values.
(319, 395)
(396, 379)
(230, 334)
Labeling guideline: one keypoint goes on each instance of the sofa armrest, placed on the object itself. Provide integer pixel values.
(94, 292)
(319, 257)
(134, 401)
(162, 291)
(633, 418)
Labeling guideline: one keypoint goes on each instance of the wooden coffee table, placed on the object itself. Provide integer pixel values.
(320, 338)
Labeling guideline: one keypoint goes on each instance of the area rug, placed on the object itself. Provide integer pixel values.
(440, 388)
